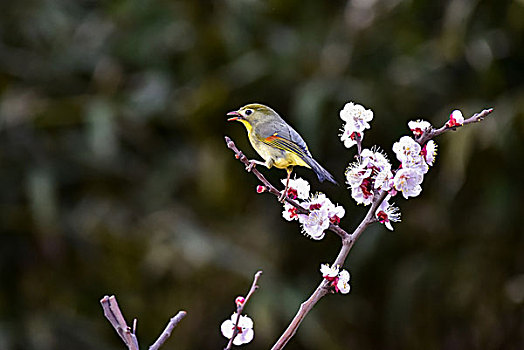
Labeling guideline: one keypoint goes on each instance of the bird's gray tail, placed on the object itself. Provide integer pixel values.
(322, 173)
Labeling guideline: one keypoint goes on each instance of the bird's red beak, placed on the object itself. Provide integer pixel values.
(236, 115)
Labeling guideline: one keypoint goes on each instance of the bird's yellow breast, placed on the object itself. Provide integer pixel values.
(289, 159)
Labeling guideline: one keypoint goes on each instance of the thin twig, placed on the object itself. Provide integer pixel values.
(173, 322)
(432, 133)
(240, 308)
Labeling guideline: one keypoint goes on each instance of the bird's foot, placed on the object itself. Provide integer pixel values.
(282, 197)
(252, 164)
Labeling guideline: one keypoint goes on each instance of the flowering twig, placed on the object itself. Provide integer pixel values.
(268, 187)
(432, 133)
(324, 288)
(114, 316)
(347, 243)
(348, 240)
(240, 308)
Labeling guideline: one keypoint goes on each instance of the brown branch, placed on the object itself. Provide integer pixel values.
(240, 308)
(127, 334)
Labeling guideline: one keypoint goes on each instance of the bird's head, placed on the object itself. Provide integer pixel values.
(251, 114)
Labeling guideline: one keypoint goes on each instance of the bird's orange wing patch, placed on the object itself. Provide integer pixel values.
(286, 145)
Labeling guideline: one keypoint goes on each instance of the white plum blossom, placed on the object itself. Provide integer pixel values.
(369, 174)
(417, 162)
(297, 188)
(406, 148)
(342, 285)
(357, 119)
(356, 173)
(245, 329)
(290, 212)
(429, 152)
(338, 279)
(328, 271)
(419, 126)
(349, 137)
(359, 180)
(381, 168)
(356, 115)
(315, 223)
(322, 212)
(362, 194)
(373, 158)
(387, 213)
(384, 179)
(408, 152)
(407, 181)
(455, 119)
(335, 213)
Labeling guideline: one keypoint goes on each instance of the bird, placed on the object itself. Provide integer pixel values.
(276, 142)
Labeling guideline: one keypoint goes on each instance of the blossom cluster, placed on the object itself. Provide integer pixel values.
(356, 119)
(368, 175)
(338, 279)
(372, 173)
(321, 211)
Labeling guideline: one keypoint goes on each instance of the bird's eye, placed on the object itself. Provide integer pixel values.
(249, 111)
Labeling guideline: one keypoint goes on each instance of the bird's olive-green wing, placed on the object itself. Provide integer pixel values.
(286, 145)
(284, 137)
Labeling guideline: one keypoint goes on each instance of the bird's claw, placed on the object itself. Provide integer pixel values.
(282, 197)
(250, 166)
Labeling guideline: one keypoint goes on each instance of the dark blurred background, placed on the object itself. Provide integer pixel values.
(115, 177)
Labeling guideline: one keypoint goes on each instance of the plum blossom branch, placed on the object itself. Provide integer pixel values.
(241, 303)
(127, 334)
(431, 133)
(268, 187)
(372, 182)
(348, 241)
(324, 286)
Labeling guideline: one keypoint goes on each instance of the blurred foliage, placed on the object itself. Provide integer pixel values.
(116, 179)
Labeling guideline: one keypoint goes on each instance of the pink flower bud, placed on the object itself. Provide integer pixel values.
(240, 300)
(261, 189)
(455, 119)
(334, 220)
